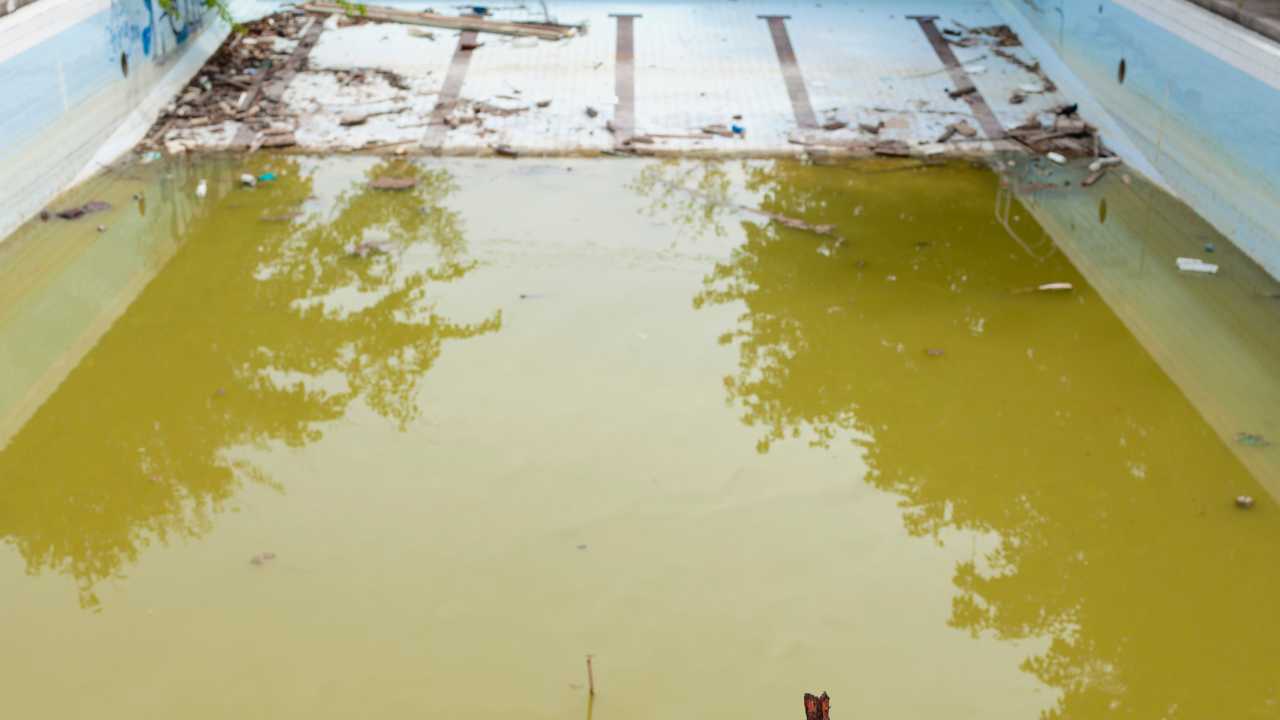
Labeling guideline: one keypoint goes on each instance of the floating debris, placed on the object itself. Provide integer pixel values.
(817, 707)
(262, 558)
(92, 206)
(393, 183)
(1244, 502)
(1196, 265)
(1252, 439)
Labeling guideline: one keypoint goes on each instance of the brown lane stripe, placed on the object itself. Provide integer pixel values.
(963, 83)
(800, 104)
(272, 85)
(451, 90)
(624, 68)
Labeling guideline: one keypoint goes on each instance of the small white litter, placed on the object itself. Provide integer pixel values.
(1031, 88)
(1056, 157)
(202, 189)
(1100, 163)
(975, 69)
(1054, 287)
(1196, 265)
(248, 180)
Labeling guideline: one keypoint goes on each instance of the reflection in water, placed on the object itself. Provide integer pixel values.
(256, 333)
(1034, 416)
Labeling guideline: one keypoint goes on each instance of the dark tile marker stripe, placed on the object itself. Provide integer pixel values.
(624, 68)
(963, 83)
(451, 90)
(800, 104)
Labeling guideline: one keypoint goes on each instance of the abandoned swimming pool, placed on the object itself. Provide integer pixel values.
(319, 449)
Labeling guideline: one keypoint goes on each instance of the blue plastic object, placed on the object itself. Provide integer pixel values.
(266, 177)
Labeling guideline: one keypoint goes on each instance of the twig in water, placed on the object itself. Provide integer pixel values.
(591, 680)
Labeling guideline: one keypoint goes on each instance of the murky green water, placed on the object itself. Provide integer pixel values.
(527, 412)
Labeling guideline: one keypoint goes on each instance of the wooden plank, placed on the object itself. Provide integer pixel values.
(477, 24)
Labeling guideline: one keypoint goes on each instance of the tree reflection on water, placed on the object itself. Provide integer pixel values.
(257, 333)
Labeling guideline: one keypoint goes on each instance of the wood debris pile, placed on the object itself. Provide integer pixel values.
(244, 82)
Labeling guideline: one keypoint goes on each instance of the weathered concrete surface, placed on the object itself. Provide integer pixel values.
(695, 65)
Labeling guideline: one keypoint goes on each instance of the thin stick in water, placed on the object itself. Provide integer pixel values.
(591, 680)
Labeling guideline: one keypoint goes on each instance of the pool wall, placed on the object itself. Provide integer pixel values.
(1198, 100)
(83, 79)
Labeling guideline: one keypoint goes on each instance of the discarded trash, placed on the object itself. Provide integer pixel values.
(817, 707)
(248, 180)
(721, 130)
(1052, 287)
(1093, 177)
(202, 189)
(961, 92)
(737, 129)
(1057, 157)
(1196, 265)
(544, 103)
(150, 156)
(834, 125)
(1210, 247)
(102, 228)
(262, 558)
(1030, 89)
(393, 183)
(1251, 439)
(85, 209)
(1100, 163)
(506, 151)
(266, 177)
(1244, 502)
(592, 112)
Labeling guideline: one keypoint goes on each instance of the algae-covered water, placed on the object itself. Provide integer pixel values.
(319, 450)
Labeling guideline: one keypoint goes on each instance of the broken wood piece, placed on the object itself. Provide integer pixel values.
(506, 151)
(834, 125)
(278, 140)
(1094, 177)
(892, 148)
(961, 92)
(476, 23)
(721, 130)
(871, 129)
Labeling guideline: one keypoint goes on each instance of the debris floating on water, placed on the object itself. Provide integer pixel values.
(1244, 502)
(1196, 265)
(393, 183)
(82, 210)
(817, 707)
(1252, 439)
(262, 558)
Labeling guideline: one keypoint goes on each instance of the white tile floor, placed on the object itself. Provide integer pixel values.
(696, 63)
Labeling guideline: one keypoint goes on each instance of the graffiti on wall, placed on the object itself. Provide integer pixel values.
(142, 28)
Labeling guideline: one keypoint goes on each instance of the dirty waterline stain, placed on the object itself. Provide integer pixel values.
(523, 413)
